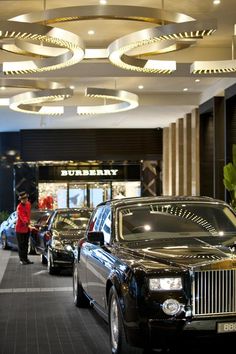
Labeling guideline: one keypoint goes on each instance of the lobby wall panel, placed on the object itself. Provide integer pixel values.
(212, 147)
(88, 144)
(219, 147)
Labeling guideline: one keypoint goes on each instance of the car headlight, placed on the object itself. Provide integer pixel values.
(157, 284)
(68, 248)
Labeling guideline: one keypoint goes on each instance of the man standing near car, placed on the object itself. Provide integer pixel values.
(23, 227)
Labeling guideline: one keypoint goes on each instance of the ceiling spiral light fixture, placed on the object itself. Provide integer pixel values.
(178, 29)
(187, 30)
(27, 33)
(30, 102)
(217, 66)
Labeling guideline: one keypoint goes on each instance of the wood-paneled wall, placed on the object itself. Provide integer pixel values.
(181, 156)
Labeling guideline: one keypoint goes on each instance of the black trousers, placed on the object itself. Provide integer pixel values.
(23, 241)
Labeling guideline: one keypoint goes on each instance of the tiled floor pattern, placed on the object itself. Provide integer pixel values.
(37, 314)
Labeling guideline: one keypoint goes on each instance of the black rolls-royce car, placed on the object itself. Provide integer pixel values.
(160, 269)
(58, 235)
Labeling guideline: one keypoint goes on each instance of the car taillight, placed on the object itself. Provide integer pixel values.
(80, 243)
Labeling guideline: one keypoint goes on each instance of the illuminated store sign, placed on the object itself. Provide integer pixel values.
(99, 172)
(95, 173)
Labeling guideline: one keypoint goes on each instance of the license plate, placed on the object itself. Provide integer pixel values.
(226, 327)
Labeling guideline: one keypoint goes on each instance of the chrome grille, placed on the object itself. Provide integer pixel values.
(214, 292)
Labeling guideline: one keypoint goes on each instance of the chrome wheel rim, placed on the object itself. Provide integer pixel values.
(4, 241)
(49, 261)
(114, 323)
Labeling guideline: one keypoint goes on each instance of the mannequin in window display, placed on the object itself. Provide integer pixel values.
(120, 193)
(46, 202)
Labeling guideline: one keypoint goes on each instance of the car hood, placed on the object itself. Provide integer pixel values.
(202, 253)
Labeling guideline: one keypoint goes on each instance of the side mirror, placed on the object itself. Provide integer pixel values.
(96, 237)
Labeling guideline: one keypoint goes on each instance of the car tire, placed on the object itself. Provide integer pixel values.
(118, 340)
(4, 242)
(31, 249)
(43, 259)
(80, 299)
(51, 269)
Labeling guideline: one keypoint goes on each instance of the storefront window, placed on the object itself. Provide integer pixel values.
(77, 195)
(126, 189)
(98, 192)
(52, 195)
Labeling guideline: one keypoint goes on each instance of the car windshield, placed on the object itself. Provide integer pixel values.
(37, 214)
(71, 221)
(175, 219)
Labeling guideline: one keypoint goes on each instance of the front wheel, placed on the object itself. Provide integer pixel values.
(31, 249)
(51, 269)
(80, 299)
(4, 242)
(118, 340)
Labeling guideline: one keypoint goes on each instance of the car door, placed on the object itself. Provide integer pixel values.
(10, 231)
(99, 259)
(43, 227)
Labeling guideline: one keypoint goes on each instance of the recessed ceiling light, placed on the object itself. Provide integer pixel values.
(185, 89)
(140, 87)
(197, 80)
(91, 32)
(72, 87)
(3, 88)
(216, 2)
(103, 2)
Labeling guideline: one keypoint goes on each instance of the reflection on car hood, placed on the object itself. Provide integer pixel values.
(70, 237)
(181, 253)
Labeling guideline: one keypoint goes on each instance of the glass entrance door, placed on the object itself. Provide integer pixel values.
(98, 192)
(77, 195)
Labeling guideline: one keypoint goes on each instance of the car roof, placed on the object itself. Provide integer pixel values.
(73, 209)
(134, 200)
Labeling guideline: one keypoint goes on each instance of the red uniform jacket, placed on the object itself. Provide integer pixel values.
(23, 217)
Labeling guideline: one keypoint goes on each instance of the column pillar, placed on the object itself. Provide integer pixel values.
(179, 158)
(187, 178)
(165, 175)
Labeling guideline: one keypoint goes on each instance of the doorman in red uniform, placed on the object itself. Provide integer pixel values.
(23, 227)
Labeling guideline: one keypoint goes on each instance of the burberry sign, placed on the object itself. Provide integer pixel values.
(99, 172)
(90, 173)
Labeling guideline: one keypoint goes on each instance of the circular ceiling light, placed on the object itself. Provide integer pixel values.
(178, 38)
(30, 102)
(188, 30)
(111, 12)
(127, 100)
(25, 33)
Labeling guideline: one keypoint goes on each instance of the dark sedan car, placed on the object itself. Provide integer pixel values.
(58, 236)
(160, 270)
(8, 233)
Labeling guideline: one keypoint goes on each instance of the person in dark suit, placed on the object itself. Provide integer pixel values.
(23, 227)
